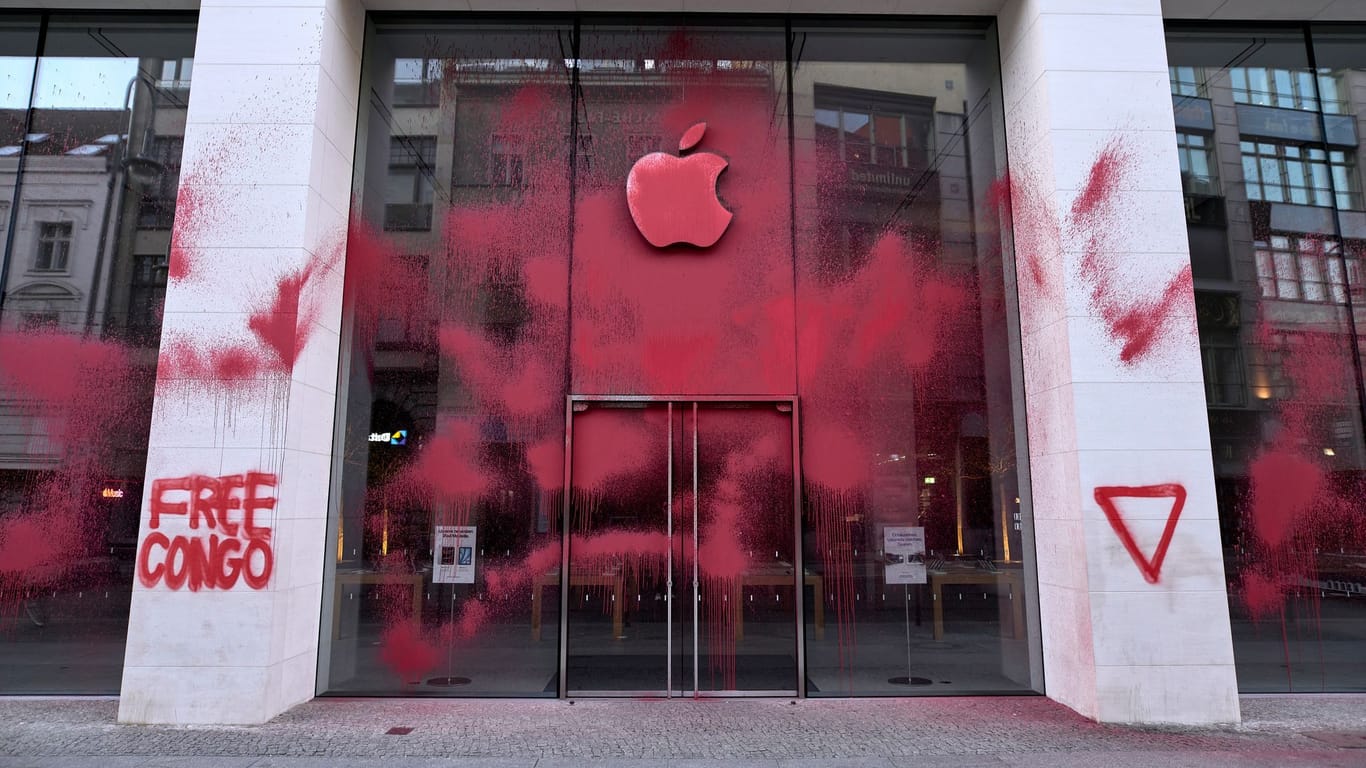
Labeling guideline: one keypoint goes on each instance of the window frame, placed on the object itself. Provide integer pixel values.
(1299, 162)
(44, 242)
(1280, 262)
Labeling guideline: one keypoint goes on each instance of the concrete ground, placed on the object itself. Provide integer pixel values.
(1318, 730)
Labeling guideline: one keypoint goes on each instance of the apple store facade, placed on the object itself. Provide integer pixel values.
(727, 285)
(387, 349)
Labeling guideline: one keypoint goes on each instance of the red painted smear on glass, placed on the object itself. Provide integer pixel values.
(405, 652)
(682, 319)
(1285, 488)
(448, 467)
(1299, 512)
(74, 396)
(1262, 596)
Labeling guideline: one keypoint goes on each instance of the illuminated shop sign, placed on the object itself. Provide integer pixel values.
(111, 493)
(397, 437)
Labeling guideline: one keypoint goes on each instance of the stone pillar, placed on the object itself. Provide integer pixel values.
(247, 378)
(1113, 378)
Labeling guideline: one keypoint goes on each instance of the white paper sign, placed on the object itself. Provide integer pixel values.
(904, 546)
(454, 547)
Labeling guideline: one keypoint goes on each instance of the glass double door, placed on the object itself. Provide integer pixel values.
(681, 549)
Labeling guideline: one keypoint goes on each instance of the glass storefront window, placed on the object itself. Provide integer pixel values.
(739, 290)
(446, 568)
(1281, 337)
(888, 449)
(89, 170)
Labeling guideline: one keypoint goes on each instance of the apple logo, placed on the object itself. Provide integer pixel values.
(673, 199)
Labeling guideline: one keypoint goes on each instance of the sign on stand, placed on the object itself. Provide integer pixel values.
(454, 546)
(904, 546)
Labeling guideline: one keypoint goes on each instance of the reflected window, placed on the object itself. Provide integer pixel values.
(1285, 88)
(93, 205)
(1290, 173)
(505, 160)
(408, 203)
(1302, 268)
(639, 146)
(157, 207)
(54, 246)
(417, 81)
(1187, 81)
(1222, 361)
(1198, 166)
(866, 127)
(148, 293)
(862, 137)
(175, 73)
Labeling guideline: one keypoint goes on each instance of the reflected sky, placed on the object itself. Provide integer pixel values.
(66, 83)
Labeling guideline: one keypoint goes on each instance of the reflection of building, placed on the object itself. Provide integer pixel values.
(1277, 227)
(1269, 150)
(89, 177)
(91, 233)
(96, 235)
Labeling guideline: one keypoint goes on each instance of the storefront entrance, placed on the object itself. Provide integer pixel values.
(682, 548)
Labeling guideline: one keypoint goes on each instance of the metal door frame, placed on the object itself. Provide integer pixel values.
(798, 566)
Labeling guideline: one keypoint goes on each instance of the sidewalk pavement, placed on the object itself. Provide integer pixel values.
(1033, 732)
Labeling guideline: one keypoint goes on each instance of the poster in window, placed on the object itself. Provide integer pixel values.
(904, 547)
(454, 551)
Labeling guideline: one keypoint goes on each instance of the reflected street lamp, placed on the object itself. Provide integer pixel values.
(138, 171)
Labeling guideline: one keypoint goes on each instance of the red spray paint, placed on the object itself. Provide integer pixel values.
(1137, 323)
(232, 544)
(1149, 565)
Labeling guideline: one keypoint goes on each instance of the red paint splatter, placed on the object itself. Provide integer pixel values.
(1285, 488)
(1137, 323)
(1262, 596)
(1139, 327)
(280, 327)
(190, 212)
(75, 397)
(406, 653)
(1299, 510)
(448, 468)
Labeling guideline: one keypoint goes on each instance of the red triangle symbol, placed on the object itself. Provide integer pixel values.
(1105, 497)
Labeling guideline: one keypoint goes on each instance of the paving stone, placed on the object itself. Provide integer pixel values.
(829, 733)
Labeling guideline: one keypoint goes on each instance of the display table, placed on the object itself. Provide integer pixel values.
(777, 575)
(1010, 578)
(611, 577)
(774, 576)
(357, 577)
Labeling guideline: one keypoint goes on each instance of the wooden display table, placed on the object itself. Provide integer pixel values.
(777, 575)
(357, 577)
(1011, 578)
(774, 576)
(580, 578)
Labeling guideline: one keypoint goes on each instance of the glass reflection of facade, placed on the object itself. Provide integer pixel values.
(92, 120)
(790, 457)
(1269, 125)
